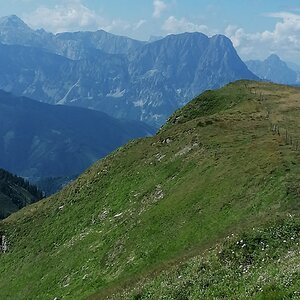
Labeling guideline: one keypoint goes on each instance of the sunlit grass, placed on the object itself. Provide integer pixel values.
(215, 169)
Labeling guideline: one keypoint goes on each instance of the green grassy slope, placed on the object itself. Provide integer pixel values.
(216, 168)
(261, 264)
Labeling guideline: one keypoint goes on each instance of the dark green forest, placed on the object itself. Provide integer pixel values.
(15, 193)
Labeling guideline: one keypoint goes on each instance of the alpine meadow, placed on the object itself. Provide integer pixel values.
(150, 152)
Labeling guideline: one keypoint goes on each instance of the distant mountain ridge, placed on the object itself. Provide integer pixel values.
(274, 69)
(39, 140)
(14, 31)
(120, 76)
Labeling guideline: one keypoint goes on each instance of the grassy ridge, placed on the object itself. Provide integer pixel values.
(212, 170)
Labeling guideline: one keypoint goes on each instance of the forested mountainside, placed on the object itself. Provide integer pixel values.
(39, 140)
(15, 193)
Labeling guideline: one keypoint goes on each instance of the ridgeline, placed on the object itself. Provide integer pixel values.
(208, 208)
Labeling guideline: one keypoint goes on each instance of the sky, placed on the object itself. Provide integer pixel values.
(257, 28)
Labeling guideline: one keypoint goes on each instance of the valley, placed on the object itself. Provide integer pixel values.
(39, 140)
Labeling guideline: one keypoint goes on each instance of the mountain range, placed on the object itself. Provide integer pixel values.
(39, 140)
(125, 78)
(208, 208)
(275, 70)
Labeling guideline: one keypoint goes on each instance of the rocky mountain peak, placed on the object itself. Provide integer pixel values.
(221, 41)
(13, 22)
(273, 58)
(273, 69)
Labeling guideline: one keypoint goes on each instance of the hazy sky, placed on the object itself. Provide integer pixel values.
(256, 27)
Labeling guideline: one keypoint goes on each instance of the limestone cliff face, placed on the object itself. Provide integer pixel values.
(117, 75)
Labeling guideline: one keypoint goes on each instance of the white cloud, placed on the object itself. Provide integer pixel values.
(159, 7)
(139, 24)
(71, 15)
(174, 25)
(284, 39)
